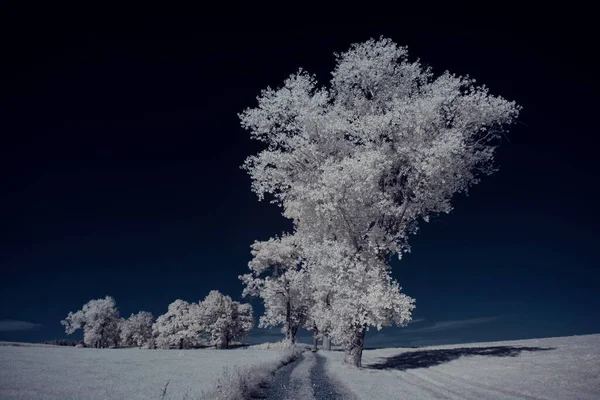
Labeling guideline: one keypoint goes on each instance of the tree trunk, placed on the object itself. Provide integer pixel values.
(326, 343)
(222, 342)
(290, 335)
(354, 352)
(315, 340)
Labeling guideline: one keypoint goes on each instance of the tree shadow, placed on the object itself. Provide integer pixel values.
(430, 358)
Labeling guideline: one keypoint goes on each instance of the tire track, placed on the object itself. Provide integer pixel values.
(277, 388)
(304, 379)
(325, 387)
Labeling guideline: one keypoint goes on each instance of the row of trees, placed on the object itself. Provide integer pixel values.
(215, 321)
(356, 165)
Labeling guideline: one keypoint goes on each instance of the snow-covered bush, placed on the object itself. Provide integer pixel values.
(281, 345)
(180, 327)
(357, 164)
(243, 382)
(99, 320)
(136, 330)
(224, 320)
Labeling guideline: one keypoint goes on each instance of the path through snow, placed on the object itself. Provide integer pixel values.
(306, 379)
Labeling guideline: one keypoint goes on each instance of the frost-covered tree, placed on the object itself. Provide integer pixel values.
(353, 290)
(136, 330)
(99, 320)
(224, 320)
(358, 163)
(180, 327)
(277, 277)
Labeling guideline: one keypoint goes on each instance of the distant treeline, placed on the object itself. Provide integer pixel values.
(64, 342)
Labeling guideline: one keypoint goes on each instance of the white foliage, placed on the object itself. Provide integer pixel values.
(385, 145)
(99, 320)
(357, 164)
(277, 278)
(353, 291)
(180, 327)
(225, 320)
(137, 329)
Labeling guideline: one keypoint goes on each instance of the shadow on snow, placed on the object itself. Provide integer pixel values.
(430, 358)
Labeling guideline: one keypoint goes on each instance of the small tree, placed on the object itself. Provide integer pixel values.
(180, 327)
(137, 329)
(278, 279)
(99, 320)
(224, 320)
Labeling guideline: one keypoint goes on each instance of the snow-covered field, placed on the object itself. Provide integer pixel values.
(69, 373)
(523, 369)
(555, 368)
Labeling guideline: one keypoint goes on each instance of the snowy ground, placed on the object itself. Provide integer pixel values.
(69, 373)
(555, 368)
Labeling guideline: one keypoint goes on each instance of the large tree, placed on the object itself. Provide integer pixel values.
(358, 163)
(180, 327)
(137, 329)
(224, 320)
(277, 277)
(99, 320)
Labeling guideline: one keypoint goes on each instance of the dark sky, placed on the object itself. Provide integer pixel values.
(120, 153)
